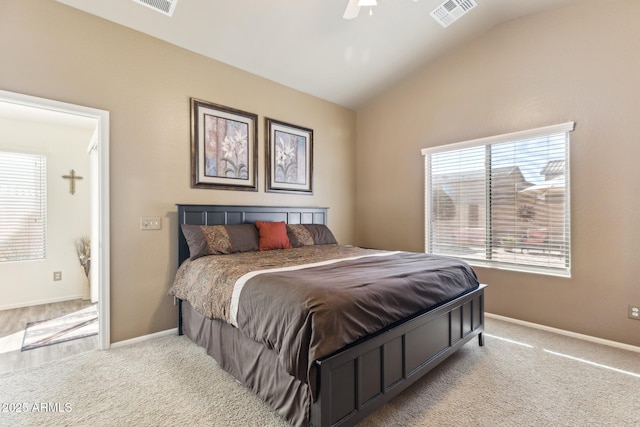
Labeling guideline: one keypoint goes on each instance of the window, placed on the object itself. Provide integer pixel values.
(22, 206)
(502, 201)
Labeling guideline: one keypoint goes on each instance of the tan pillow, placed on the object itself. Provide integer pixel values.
(310, 234)
(220, 239)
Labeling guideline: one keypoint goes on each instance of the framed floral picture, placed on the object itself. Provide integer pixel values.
(224, 151)
(289, 166)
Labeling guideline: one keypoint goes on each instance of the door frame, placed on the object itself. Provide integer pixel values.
(102, 135)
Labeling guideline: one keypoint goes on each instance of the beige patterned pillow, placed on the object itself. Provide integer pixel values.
(299, 235)
(310, 234)
(220, 239)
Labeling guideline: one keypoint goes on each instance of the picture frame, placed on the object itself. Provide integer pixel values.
(289, 158)
(224, 147)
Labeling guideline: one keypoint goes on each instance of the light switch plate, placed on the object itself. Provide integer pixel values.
(150, 223)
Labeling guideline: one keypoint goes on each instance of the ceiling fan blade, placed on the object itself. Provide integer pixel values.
(352, 10)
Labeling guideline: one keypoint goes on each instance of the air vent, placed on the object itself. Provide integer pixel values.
(451, 10)
(166, 7)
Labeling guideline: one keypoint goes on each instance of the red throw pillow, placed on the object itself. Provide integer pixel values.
(273, 235)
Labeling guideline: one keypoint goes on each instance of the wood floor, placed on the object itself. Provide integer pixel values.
(13, 323)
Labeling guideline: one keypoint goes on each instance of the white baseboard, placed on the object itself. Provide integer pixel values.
(566, 333)
(40, 302)
(136, 340)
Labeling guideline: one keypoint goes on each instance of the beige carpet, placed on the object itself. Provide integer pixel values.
(527, 381)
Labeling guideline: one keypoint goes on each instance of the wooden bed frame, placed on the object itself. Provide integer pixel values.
(361, 377)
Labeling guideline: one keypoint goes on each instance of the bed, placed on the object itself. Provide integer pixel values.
(363, 357)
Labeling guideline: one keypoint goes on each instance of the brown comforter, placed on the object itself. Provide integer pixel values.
(306, 314)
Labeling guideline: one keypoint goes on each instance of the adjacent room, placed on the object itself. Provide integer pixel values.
(497, 133)
(49, 309)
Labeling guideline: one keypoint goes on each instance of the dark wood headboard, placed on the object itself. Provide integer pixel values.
(226, 214)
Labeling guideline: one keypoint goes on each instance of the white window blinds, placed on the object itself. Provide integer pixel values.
(502, 201)
(22, 206)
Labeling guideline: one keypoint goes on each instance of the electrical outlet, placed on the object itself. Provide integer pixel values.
(57, 275)
(150, 223)
(634, 312)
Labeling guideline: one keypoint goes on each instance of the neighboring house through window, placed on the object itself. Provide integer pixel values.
(22, 206)
(502, 201)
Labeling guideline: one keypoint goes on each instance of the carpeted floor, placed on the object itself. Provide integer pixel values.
(521, 377)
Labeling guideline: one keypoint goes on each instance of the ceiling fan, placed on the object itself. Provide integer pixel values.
(353, 8)
(445, 14)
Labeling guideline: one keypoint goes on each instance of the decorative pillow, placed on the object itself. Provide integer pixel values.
(220, 239)
(273, 235)
(310, 234)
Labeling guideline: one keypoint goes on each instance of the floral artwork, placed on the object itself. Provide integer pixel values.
(223, 148)
(290, 154)
(226, 151)
(289, 158)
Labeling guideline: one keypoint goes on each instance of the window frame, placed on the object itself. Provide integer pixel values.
(489, 261)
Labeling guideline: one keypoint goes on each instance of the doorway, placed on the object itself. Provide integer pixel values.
(98, 151)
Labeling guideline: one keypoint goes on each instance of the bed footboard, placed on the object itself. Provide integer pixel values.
(356, 381)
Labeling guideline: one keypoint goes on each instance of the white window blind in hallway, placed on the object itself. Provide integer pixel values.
(22, 206)
(502, 201)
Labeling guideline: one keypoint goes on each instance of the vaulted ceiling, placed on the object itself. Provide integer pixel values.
(307, 45)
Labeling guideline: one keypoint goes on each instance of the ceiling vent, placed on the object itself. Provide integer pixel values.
(451, 10)
(165, 7)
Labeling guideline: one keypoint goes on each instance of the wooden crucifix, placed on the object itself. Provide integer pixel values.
(73, 178)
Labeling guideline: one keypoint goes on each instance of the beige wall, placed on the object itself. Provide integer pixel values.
(52, 51)
(579, 63)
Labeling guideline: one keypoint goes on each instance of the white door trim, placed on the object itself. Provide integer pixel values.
(102, 117)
